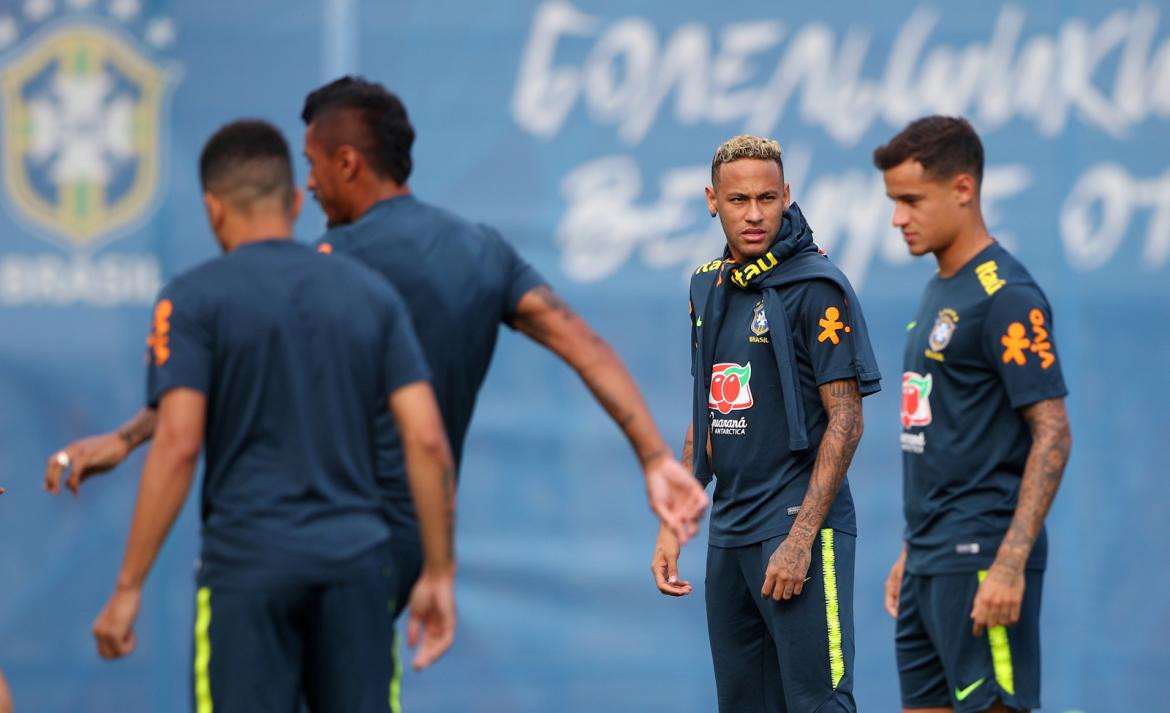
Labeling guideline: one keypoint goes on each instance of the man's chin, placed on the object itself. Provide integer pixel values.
(752, 252)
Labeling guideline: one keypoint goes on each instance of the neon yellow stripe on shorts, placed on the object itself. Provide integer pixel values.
(832, 608)
(396, 681)
(1001, 654)
(203, 651)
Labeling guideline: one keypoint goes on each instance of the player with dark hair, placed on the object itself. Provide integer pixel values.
(457, 278)
(460, 280)
(274, 360)
(985, 439)
(781, 360)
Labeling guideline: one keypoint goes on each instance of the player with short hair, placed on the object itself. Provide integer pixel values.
(985, 439)
(274, 360)
(460, 280)
(781, 360)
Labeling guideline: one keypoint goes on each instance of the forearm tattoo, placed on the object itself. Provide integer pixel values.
(1051, 444)
(842, 402)
(139, 428)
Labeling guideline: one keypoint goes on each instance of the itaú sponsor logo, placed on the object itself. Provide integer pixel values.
(729, 426)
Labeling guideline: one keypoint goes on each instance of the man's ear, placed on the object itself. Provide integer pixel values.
(711, 204)
(348, 162)
(216, 211)
(964, 189)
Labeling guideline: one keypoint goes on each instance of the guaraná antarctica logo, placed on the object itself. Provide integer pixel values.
(85, 99)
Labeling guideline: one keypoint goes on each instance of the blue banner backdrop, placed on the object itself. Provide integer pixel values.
(583, 130)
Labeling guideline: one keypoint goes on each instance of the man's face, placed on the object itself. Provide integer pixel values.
(927, 210)
(750, 199)
(325, 179)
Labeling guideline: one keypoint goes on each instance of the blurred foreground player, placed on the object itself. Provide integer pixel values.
(985, 439)
(277, 359)
(781, 359)
(460, 280)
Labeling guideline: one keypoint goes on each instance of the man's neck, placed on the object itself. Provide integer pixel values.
(967, 245)
(380, 191)
(258, 231)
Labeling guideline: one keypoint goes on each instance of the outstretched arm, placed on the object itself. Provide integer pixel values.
(166, 480)
(98, 454)
(1000, 595)
(789, 564)
(675, 496)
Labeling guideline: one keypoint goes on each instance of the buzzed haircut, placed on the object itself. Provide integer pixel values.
(245, 162)
(377, 124)
(946, 146)
(746, 146)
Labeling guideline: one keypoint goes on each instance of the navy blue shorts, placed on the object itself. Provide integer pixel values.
(267, 650)
(793, 656)
(942, 664)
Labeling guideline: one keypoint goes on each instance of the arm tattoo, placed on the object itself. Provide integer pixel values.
(449, 502)
(534, 325)
(1051, 443)
(549, 320)
(842, 402)
(139, 428)
(688, 452)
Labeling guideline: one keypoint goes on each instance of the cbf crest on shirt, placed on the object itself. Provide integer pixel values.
(979, 349)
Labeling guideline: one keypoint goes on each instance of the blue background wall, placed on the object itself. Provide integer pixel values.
(583, 130)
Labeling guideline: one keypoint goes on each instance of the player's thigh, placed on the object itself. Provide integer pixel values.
(747, 677)
(813, 631)
(921, 674)
(350, 665)
(1001, 665)
(248, 649)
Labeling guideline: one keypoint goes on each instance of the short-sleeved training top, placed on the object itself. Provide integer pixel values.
(759, 483)
(980, 348)
(460, 280)
(296, 353)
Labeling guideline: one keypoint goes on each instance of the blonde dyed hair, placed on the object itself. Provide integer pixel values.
(745, 146)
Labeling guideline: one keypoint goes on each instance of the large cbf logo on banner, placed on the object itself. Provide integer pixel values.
(83, 110)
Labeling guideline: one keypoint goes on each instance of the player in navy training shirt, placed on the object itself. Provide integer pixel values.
(781, 360)
(274, 361)
(457, 278)
(985, 440)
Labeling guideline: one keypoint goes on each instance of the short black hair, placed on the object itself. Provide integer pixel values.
(386, 133)
(945, 146)
(246, 161)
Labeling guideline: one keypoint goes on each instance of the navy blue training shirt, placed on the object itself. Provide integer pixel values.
(760, 483)
(297, 353)
(980, 348)
(460, 280)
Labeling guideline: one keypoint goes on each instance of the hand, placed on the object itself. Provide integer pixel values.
(676, 497)
(114, 627)
(894, 585)
(89, 456)
(432, 617)
(998, 600)
(664, 565)
(787, 570)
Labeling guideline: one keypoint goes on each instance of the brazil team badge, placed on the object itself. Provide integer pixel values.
(82, 115)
